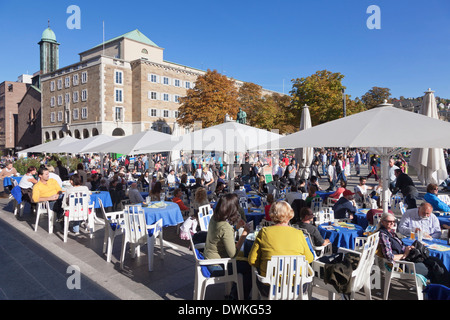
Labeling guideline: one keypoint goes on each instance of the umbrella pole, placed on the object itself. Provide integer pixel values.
(385, 179)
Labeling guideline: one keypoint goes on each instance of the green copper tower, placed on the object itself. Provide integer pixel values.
(49, 51)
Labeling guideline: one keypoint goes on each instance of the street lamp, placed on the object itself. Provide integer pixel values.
(344, 102)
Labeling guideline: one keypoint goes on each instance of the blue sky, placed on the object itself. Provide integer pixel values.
(265, 42)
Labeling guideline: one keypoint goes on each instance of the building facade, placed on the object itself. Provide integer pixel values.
(120, 87)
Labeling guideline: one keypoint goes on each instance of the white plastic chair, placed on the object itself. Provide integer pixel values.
(136, 234)
(113, 227)
(316, 204)
(324, 216)
(204, 216)
(402, 270)
(286, 276)
(243, 202)
(44, 208)
(203, 277)
(360, 277)
(319, 251)
(157, 233)
(78, 210)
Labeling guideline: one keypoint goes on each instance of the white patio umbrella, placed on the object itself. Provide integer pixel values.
(384, 129)
(305, 156)
(129, 144)
(429, 162)
(229, 137)
(52, 146)
(80, 146)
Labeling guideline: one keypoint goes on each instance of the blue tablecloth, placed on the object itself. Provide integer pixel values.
(104, 196)
(255, 199)
(323, 194)
(7, 180)
(256, 216)
(437, 292)
(361, 219)
(171, 214)
(444, 256)
(341, 237)
(444, 220)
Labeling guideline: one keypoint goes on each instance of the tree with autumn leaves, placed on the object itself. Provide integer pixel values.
(215, 95)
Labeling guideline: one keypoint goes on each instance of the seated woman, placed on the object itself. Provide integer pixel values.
(27, 182)
(392, 246)
(155, 193)
(220, 241)
(279, 239)
(145, 179)
(75, 181)
(336, 195)
(311, 195)
(432, 198)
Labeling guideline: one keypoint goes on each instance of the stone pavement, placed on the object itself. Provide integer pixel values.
(40, 266)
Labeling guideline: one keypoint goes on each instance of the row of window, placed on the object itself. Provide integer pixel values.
(75, 81)
(75, 98)
(58, 116)
(119, 113)
(154, 78)
(153, 95)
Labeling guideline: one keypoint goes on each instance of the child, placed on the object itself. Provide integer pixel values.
(189, 226)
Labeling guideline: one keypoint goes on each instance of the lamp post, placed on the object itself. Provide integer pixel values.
(344, 102)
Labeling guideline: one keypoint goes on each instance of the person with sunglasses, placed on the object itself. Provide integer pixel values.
(432, 198)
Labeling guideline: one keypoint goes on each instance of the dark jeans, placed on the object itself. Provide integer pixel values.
(410, 200)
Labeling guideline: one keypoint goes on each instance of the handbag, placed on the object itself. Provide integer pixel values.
(419, 253)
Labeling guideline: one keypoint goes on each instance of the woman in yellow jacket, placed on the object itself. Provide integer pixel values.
(279, 239)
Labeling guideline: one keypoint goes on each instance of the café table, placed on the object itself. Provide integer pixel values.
(438, 248)
(444, 219)
(105, 197)
(255, 199)
(8, 181)
(171, 214)
(361, 219)
(255, 215)
(323, 194)
(341, 236)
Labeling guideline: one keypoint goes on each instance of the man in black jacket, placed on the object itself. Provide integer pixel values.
(406, 186)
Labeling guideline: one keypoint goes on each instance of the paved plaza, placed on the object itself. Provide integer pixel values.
(39, 266)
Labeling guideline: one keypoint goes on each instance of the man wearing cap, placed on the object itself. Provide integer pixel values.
(344, 206)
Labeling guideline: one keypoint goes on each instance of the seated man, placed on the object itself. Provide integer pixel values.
(345, 206)
(8, 171)
(171, 178)
(177, 194)
(306, 222)
(134, 195)
(421, 218)
(432, 198)
(47, 189)
(294, 194)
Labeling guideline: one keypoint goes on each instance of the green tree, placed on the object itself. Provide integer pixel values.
(322, 92)
(375, 96)
(213, 96)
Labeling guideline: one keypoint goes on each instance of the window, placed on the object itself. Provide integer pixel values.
(153, 78)
(144, 51)
(152, 95)
(166, 81)
(119, 95)
(165, 96)
(176, 83)
(52, 101)
(118, 114)
(75, 79)
(60, 100)
(84, 95)
(67, 98)
(176, 98)
(59, 84)
(118, 77)
(176, 114)
(152, 112)
(60, 115)
(84, 113)
(187, 85)
(165, 113)
(52, 86)
(67, 82)
(52, 117)
(84, 77)
(75, 114)
(75, 96)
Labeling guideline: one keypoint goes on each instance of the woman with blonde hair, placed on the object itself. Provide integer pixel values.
(279, 239)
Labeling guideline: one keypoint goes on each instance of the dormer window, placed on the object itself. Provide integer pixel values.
(144, 51)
